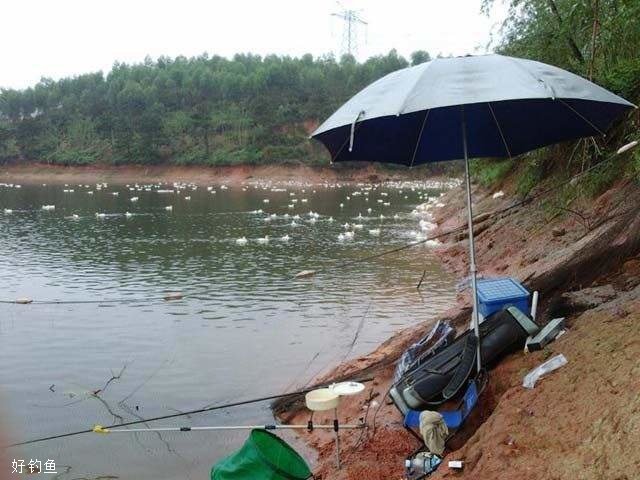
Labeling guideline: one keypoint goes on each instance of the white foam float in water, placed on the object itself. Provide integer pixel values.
(290, 205)
(330, 219)
(169, 208)
(100, 215)
(285, 238)
(134, 199)
(358, 226)
(342, 205)
(75, 216)
(187, 198)
(115, 194)
(426, 226)
(8, 210)
(374, 232)
(266, 200)
(263, 240)
(369, 210)
(241, 241)
(48, 207)
(128, 214)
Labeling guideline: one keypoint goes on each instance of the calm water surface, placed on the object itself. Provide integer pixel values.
(248, 330)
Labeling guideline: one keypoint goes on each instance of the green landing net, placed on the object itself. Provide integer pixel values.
(263, 456)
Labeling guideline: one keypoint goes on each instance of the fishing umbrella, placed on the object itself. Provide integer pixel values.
(467, 107)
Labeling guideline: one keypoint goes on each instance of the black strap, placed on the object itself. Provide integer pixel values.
(464, 368)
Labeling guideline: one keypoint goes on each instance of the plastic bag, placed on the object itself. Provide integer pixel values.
(439, 336)
(549, 366)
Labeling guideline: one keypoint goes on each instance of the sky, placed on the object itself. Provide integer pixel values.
(62, 38)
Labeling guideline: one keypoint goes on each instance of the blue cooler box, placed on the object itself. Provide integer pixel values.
(498, 293)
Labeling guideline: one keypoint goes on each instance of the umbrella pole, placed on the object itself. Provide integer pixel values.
(472, 247)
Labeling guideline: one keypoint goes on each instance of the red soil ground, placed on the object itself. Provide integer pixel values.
(580, 422)
(34, 173)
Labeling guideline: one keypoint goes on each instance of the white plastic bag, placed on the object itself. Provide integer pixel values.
(549, 366)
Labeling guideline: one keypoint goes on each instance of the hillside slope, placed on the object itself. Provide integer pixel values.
(578, 423)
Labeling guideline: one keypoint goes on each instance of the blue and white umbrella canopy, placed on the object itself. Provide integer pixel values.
(467, 107)
(511, 105)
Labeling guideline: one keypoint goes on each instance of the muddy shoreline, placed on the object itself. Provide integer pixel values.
(38, 173)
(514, 433)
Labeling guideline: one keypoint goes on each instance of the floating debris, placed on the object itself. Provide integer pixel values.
(173, 296)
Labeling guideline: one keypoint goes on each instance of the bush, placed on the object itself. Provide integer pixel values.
(490, 172)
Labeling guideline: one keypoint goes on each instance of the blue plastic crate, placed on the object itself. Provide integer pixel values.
(498, 293)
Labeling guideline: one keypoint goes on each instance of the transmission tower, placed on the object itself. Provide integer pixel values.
(352, 21)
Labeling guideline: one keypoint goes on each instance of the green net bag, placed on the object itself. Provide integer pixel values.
(264, 456)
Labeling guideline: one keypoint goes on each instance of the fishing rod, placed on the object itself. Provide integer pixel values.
(175, 415)
(309, 426)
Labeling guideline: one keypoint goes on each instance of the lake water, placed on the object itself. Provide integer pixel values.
(246, 330)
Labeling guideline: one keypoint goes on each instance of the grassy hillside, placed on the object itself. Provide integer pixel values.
(203, 110)
(599, 40)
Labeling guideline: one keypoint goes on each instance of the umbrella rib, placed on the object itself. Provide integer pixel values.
(582, 117)
(495, 119)
(408, 95)
(415, 150)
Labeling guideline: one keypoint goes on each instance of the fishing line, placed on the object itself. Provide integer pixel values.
(181, 414)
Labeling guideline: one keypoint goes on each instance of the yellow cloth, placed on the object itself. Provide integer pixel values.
(434, 431)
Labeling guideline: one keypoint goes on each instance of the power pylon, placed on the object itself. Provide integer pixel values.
(352, 20)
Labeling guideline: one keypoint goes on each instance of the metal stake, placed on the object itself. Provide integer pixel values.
(472, 248)
(335, 429)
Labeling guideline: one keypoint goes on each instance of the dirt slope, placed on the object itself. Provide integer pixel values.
(581, 422)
